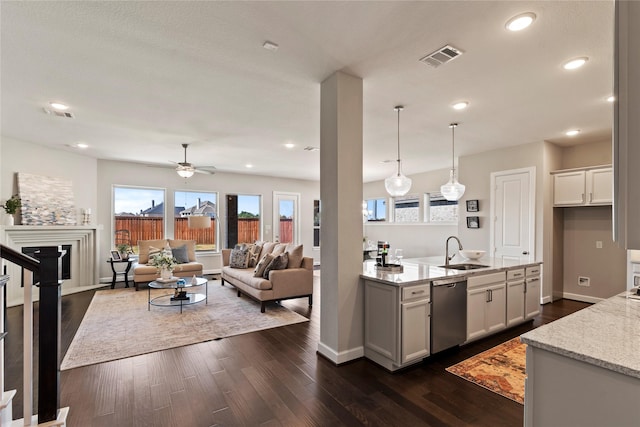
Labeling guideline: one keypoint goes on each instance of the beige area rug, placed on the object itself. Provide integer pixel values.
(117, 323)
(500, 369)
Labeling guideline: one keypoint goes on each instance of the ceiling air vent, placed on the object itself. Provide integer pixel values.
(441, 56)
(66, 114)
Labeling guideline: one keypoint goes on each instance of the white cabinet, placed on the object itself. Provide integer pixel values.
(486, 305)
(397, 323)
(583, 187)
(532, 292)
(515, 296)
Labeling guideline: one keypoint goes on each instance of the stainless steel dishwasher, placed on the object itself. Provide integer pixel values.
(448, 314)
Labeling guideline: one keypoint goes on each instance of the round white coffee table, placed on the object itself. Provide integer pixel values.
(180, 297)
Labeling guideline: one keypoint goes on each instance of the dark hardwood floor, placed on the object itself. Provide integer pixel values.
(269, 378)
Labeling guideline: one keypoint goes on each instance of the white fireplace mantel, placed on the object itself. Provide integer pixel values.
(84, 254)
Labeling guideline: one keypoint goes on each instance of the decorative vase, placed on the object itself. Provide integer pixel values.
(165, 273)
(8, 220)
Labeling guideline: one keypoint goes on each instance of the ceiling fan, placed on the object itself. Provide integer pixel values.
(186, 169)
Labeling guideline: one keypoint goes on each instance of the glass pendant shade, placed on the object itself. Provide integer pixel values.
(398, 184)
(452, 190)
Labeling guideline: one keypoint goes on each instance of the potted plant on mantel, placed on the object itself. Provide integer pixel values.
(11, 206)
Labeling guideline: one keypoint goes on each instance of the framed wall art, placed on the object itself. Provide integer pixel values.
(473, 222)
(473, 206)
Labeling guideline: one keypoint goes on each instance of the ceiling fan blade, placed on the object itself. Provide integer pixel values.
(205, 172)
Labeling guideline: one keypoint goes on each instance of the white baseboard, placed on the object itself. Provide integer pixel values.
(582, 298)
(546, 300)
(342, 356)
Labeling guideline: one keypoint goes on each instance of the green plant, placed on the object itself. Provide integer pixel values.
(164, 260)
(11, 205)
(123, 248)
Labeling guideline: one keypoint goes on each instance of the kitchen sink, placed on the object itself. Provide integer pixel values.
(464, 266)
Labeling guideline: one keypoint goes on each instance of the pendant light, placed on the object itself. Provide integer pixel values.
(452, 190)
(398, 184)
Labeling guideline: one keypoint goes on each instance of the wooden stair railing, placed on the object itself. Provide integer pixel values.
(46, 265)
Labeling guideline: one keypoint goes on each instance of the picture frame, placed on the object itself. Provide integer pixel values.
(473, 206)
(473, 222)
(115, 256)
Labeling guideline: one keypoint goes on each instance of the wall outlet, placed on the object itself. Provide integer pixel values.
(598, 244)
(584, 281)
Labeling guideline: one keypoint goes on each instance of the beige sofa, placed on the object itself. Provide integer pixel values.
(282, 284)
(143, 273)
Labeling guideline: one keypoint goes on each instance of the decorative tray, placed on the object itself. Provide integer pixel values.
(173, 279)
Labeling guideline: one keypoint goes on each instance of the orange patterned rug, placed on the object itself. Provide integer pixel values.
(500, 369)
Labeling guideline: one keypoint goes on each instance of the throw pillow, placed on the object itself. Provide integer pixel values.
(153, 252)
(264, 262)
(239, 257)
(295, 255)
(180, 254)
(279, 248)
(254, 253)
(279, 263)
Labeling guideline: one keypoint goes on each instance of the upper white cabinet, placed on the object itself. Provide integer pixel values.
(583, 187)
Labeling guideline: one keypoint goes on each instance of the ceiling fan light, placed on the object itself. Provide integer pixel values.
(452, 190)
(185, 171)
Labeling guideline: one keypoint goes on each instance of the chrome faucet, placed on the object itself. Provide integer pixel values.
(448, 258)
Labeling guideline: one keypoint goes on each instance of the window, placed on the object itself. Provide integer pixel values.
(316, 223)
(439, 209)
(139, 210)
(376, 209)
(191, 204)
(243, 219)
(406, 209)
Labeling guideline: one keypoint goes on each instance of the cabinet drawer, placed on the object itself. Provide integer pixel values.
(413, 292)
(533, 271)
(515, 274)
(485, 279)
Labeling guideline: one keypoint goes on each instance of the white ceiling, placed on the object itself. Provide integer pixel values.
(144, 77)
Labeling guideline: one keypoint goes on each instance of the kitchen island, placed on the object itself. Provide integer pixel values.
(399, 305)
(584, 369)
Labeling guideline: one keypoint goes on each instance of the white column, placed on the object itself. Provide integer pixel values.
(341, 316)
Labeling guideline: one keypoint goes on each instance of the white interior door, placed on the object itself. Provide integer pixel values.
(513, 213)
(286, 217)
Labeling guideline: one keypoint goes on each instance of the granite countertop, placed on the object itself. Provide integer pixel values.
(606, 334)
(421, 270)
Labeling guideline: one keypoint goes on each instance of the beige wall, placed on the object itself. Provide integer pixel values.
(578, 229)
(606, 267)
(578, 156)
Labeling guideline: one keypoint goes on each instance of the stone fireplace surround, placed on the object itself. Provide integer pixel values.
(84, 255)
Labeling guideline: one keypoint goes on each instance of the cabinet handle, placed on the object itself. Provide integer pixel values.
(525, 286)
(590, 197)
(417, 292)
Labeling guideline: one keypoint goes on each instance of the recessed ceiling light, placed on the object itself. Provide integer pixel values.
(575, 63)
(460, 105)
(611, 98)
(572, 132)
(289, 145)
(520, 22)
(82, 145)
(59, 106)
(248, 166)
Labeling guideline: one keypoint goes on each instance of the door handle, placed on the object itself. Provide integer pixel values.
(525, 252)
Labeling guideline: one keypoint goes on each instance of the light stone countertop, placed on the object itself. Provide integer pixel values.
(421, 270)
(606, 334)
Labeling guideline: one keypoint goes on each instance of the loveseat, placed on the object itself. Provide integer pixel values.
(183, 250)
(295, 280)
